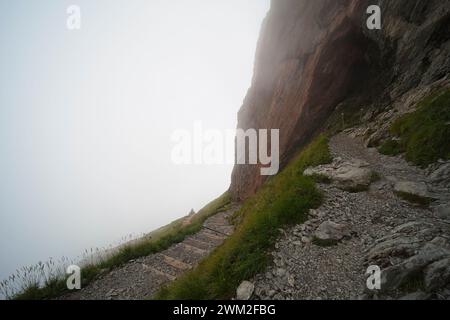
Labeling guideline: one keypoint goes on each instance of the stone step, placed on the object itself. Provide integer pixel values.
(196, 242)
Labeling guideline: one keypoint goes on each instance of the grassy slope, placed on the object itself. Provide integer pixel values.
(284, 200)
(424, 135)
(160, 240)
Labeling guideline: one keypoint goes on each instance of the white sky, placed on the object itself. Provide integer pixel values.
(86, 116)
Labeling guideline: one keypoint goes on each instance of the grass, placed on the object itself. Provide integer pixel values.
(285, 199)
(424, 135)
(156, 241)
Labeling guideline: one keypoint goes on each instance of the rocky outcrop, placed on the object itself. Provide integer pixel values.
(352, 175)
(317, 60)
(142, 278)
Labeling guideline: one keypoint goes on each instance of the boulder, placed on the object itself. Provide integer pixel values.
(437, 274)
(245, 290)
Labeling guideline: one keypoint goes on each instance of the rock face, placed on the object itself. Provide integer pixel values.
(316, 58)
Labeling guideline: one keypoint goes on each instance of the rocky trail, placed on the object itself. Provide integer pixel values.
(142, 278)
(364, 222)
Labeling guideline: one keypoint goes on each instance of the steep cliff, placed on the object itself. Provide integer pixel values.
(317, 63)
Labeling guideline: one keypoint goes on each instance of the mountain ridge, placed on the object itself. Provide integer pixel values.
(317, 59)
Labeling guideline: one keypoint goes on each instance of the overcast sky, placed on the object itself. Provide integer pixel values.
(86, 116)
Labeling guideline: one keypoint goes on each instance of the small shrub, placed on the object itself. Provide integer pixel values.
(391, 148)
(161, 239)
(422, 201)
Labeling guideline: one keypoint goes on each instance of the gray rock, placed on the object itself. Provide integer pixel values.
(245, 290)
(352, 174)
(280, 272)
(437, 274)
(418, 295)
(329, 230)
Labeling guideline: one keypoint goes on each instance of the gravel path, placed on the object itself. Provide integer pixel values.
(304, 270)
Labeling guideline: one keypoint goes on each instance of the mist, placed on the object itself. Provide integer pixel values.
(86, 116)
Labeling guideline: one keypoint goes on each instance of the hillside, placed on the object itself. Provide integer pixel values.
(364, 120)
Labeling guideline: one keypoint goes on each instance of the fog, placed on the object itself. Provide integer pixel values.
(86, 116)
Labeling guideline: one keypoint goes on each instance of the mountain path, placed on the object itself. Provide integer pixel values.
(142, 278)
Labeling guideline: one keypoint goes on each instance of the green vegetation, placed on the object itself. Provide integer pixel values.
(284, 199)
(413, 283)
(424, 134)
(154, 242)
